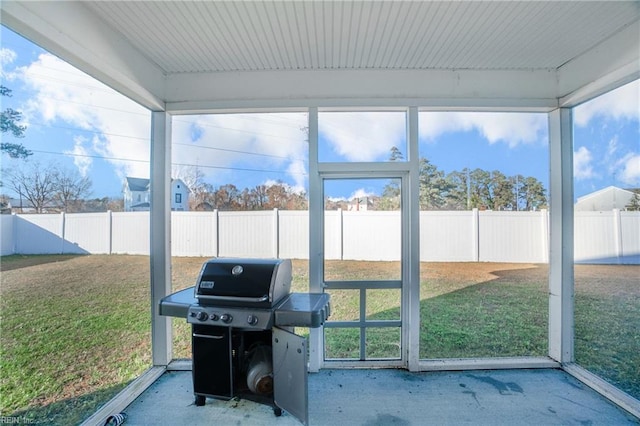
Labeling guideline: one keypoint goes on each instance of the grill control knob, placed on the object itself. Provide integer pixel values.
(214, 317)
(252, 320)
(226, 318)
(202, 316)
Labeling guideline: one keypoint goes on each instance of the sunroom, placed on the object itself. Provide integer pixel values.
(364, 62)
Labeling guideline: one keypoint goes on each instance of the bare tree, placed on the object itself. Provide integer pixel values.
(192, 176)
(34, 184)
(70, 189)
(227, 197)
(259, 197)
(49, 188)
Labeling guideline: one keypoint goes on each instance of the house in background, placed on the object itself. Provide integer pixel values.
(361, 204)
(137, 195)
(605, 199)
(17, 205)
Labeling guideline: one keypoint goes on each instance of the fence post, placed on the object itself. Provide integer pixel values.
(109, 231)
(545, 235)
(62, 231)
(475, 227)
(617, 235)
(341, 231)
(14, 232)
(216, 233)
(276, 233)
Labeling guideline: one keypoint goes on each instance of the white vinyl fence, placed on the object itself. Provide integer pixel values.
(453, 236)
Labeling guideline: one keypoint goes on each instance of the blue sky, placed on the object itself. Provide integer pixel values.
(78, 123)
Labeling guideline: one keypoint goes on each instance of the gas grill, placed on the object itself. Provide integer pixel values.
(243, 342)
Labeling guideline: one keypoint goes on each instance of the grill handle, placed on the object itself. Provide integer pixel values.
(208, 336)
(235, 298)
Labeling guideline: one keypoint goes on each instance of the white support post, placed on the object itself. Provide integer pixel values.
(160, 258)
(561, 276)
(411, 248)
(316, 239)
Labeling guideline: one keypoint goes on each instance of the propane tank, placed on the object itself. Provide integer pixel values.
(260, 371)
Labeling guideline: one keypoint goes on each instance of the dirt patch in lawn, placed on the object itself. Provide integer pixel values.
(604, 280)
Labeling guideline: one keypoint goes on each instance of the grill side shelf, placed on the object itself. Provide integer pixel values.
(303, 310)
(177, 304)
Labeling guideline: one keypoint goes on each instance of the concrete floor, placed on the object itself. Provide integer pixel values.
(396, 397)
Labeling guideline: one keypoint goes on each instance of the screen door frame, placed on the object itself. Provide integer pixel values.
(407, 172)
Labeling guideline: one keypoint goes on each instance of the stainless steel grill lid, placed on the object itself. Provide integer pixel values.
(243, 282)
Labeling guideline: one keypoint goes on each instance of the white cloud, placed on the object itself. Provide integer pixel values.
(361, 193)
(224, 145)
(357, 193)
(582, 164)
(80, 156)
(510, 128)
(299, 174)
(7, 57)
(612, 146)
(362, 136)
(64, 94)
(630, 169)
(336, 199)
(622, 103)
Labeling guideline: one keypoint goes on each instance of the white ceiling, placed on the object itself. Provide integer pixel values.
(185, 56)
(190, 37)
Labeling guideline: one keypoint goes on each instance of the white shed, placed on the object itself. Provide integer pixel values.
(604, 199)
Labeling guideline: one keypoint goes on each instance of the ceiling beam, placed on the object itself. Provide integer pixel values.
(531, 90)
(70, 31)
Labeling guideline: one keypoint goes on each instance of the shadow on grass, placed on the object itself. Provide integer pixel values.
(500, 317)
(18, 261)
(490, 314)
(71, 411)
(507, 316)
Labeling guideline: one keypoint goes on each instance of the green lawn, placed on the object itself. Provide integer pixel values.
(75, 329)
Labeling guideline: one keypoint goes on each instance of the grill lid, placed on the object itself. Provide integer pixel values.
(243, 282)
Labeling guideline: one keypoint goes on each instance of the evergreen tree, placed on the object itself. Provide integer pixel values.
(9, 119)
(634, 203)
(433, 186)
